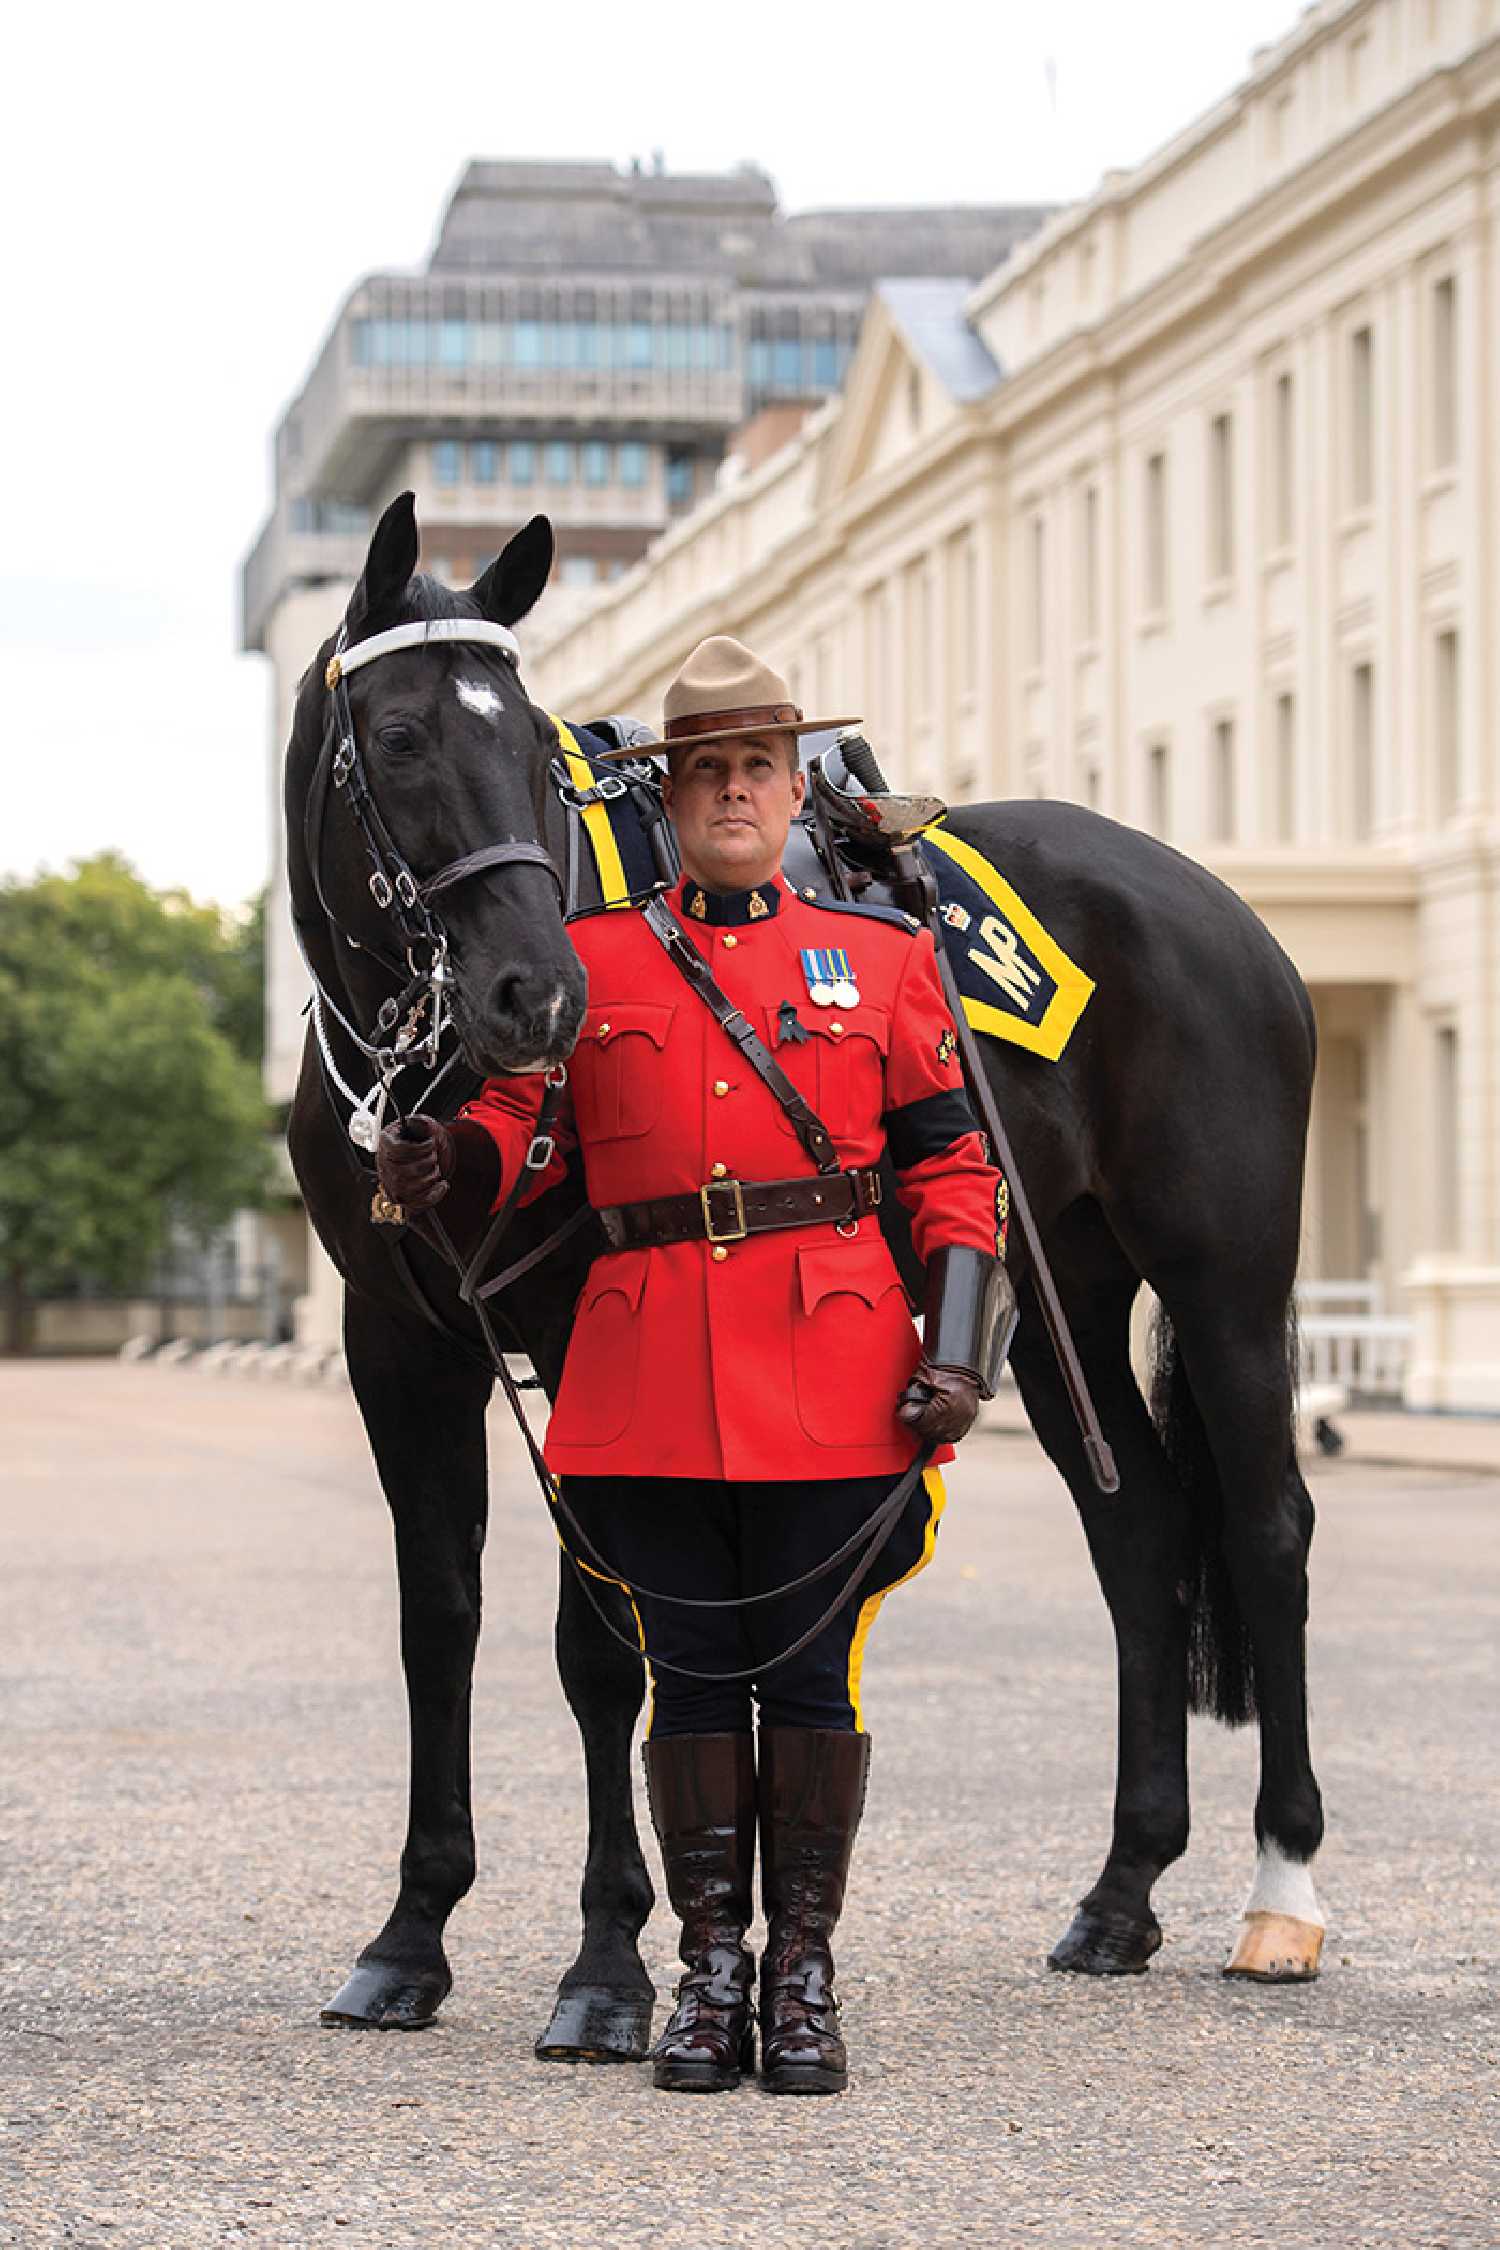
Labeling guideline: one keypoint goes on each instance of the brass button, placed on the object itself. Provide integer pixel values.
(720, 1253)
(720, 1172)
(730, 940)
(721, 1086)
(604, 1031)
(809, 894)
(837, 1030)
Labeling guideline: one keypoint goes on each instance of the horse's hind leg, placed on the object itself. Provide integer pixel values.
(423, 1407)
(1140, 1540)
(1238, 1365)
(603, 2011)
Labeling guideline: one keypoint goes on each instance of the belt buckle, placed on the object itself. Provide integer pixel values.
(739, 1226)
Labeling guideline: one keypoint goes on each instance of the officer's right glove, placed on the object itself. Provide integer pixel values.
(415, 1160)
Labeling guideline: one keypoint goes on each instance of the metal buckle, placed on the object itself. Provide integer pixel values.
(406, 889)
(343, 762)
(739, 1226)
(380, 889)
(539, 1154)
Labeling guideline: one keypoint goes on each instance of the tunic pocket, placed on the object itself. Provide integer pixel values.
(596, 1397)
(840, 1066)
(618, 1069)
(853, 1344)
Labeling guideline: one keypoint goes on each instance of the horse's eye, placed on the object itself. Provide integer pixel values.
(398, 741)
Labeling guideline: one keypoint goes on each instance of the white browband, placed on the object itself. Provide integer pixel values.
(441, 629)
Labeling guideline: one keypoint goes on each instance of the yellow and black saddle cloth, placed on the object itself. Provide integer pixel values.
(1016, 982)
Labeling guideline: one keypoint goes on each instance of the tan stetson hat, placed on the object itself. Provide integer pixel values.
(723, 691)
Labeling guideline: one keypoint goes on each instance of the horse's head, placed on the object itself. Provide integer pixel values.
(457, 760)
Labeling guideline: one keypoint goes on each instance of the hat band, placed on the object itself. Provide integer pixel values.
(754, 715)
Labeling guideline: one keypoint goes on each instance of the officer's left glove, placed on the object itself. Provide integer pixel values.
(971, 1309)
(939, 1403)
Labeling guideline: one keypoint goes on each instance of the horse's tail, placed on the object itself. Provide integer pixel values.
(1221, 1673)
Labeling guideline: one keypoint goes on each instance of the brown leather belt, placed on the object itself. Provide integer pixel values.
(728, 1210)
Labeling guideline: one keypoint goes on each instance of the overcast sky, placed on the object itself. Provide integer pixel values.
(189, 192)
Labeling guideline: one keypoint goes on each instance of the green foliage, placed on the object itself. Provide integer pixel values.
(130, 1096)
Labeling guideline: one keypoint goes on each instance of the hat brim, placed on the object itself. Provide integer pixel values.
(661, 749)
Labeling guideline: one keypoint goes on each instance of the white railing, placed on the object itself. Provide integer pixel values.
(1347, 1340)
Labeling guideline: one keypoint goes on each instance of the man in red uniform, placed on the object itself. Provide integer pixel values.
(744, 1384)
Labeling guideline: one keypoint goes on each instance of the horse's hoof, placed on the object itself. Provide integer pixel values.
(1099, 1944)
(378, 1996)
(590, 2023)
(1276, 1949)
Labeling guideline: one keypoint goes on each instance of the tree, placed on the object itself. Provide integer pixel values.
(130, 1098)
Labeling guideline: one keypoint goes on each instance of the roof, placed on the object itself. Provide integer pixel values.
(930, 315)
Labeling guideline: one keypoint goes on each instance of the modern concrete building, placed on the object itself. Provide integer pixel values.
(583, 340)
(1190, 511)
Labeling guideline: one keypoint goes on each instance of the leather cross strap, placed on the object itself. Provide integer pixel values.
(685, 957)
(728, 1210)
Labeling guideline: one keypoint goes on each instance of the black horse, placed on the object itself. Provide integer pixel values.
(1166, 1146)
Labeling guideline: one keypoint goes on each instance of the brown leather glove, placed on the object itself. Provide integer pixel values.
(415, 1161)
(939, 1402)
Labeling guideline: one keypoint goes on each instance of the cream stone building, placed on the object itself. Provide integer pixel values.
(1190, 513)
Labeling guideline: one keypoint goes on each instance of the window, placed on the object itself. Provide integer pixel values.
(1445, 720)
(1283, 463)
(1088, 563)
(484, 461)
(1362, 751)
(1361, 418)
(578, 570)
(522, 464)
(1036, 633)
(1221, 782)
(630, 462)
(595, 458)
(963, 599)
(1156, 534)
(1445, 373)
(1220, 498)
(918, 592)
(679, 480)
(557, 459)
(447, 462)
(1158, 788)
(1446, 1137)
(1285, 777)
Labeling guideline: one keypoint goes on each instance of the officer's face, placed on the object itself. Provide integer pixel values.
(732, 804)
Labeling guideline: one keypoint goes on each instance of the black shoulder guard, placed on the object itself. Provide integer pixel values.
(870, 911)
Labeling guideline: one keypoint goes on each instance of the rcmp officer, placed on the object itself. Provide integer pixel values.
(744, 1384)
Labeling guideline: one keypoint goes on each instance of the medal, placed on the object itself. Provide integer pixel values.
(830, 977)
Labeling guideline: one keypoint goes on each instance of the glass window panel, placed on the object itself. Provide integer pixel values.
(578, 570)
(447, 461)
(453, 343)
(825, 366)
(360, 343)
(759, 365)
(522, 461)
(638, 342)
(484, 461)
(595, 458)
(786, 364)
(679, 479)
(631, 462)
(527, 343)
(558, 460)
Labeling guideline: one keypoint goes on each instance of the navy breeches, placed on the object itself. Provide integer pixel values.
(717, 1541)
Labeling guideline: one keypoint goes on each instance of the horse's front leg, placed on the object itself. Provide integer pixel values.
(603, 2011)
(423, 1406)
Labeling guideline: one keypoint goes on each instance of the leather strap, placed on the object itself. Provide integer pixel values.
(728, 1210)
(685, 957)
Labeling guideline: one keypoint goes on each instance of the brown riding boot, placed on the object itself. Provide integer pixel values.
(812, 1791)
(702, 1793)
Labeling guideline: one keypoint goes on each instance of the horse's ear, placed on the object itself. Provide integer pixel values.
(388, 568)
(509, 588)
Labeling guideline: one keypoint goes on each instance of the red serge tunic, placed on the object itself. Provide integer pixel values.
(782, 1355)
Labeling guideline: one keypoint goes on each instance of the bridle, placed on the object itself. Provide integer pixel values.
(398, 1036)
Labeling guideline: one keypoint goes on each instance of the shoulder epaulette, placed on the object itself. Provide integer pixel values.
(869, 908)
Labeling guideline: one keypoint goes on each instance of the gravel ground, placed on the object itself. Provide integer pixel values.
(202, 1792)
